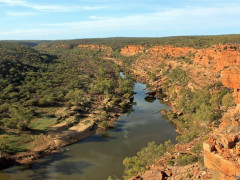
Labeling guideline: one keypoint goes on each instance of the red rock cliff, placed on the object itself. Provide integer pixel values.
(208, 66)
(216, 58)
(222, 149)
(169, 51)
(132, 50)
(231, 79)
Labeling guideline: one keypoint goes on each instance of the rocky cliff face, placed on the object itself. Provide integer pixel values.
(216, 58)
(132, 50)
(169, 51)
(205, 67)
(231, 78)
(222, 149)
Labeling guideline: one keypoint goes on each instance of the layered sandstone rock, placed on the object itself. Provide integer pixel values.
(236, 95)
(222, 149)
(132, 50)
(169, 51)
(216, 58)
(231, 79)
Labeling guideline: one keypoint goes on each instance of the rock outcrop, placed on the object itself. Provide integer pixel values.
(231, 79)
(132, 50)
(222, 149)
(169, 51)
(216, 58)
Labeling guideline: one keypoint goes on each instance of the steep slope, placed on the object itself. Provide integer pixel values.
(172, 70)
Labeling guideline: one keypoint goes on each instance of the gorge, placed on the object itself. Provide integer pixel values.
(200, 84)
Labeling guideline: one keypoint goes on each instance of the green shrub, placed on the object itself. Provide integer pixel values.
(227, 101)
(197, 148)
(179, 76)
(146, 156)
(187, 137)
(103, 124)
(174, 96)
(171, 162)
(123, 104)
(110, 178)
(170, 115)
(186, 159)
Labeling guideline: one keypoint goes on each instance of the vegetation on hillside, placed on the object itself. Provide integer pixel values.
(119, 42)
(144, 158)
(34, 85)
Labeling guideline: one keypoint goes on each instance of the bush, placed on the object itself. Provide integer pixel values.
(204, 114)
(170, 115)
(146, 156)
(227, 101)
(197, 148)
(179, 76)
(123, 104)
(19, 118)
(186, 159)
(171, 162)
(103, 124)
(174, 96)
(187, 137)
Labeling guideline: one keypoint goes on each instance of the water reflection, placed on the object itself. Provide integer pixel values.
(150, 99)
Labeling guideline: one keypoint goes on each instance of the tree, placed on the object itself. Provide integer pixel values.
(19, 117)
(3, 145)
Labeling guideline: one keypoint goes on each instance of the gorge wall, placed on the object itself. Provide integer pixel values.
(219, 63)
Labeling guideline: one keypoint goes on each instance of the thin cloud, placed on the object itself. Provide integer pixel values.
(56, 8)
(20, 14)
(91, 8)
(181, 17)
(14, 2)
(92, 17)
(182, 21)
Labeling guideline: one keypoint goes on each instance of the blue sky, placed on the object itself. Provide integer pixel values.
(75, 19)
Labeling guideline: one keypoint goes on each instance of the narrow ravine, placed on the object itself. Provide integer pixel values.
(100, 156)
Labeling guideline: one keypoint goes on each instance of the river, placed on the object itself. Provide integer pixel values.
(100, 156)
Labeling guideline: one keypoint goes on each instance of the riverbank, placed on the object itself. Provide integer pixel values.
(103, 153)
(61, 135)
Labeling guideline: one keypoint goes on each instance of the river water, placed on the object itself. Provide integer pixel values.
(100, 156)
